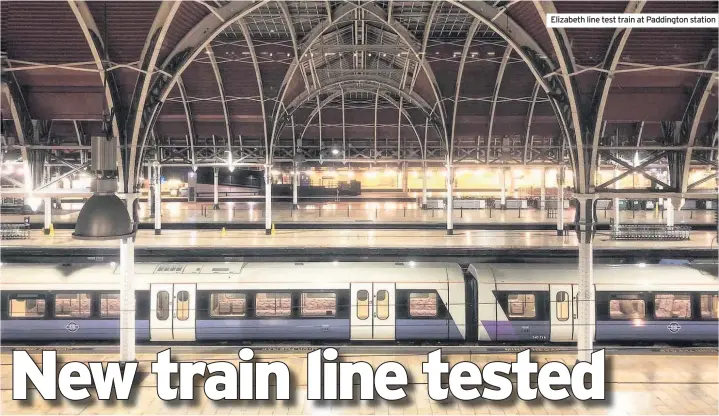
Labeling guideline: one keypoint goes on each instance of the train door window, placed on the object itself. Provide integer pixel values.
(362, 305)
(626, 307)
(183, 305)
(163, 305)
(671, 306)
(710, 306)
(228, 304)
(522, 305)
(562, 305)
(422, 305)
(72, 305)
(109, 305)
(382, 305)
(273, 304)
(319, 304)
(27, 307)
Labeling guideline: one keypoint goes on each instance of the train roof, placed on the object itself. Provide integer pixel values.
(234, 272)
(603, 274)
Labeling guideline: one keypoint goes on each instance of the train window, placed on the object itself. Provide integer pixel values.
(422, 305)
(183, 305)
(273, 304)
(72, 305)
(710, 306)
(109, 305)
(562, 305)
(163, 305)
(27, 308)
(319, 304)
(671, 306)
(228, 304)
(626, 307)
(522, 305)
(382, 305)
(362, 305)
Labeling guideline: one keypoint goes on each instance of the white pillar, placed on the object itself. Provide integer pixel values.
(615, 203)
(158, 202)
(215, 188)
(48, 215)
(295, 187)
(127, 292)
(585, 297)
(543, 190)
(503, 182)
(669, 204)
(405, 184)
(150, 203)
(560, 201)
(268, 201)
(424, 185)
(450, 225)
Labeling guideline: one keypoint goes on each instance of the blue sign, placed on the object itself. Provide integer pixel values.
(162, 179)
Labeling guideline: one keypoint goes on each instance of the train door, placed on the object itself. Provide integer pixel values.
(172, 312)
(561, 313)
(372, 311)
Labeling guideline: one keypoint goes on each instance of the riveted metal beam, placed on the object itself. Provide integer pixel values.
(221, 89)
(258, 76)
(458, 85)
(188, 116)
(495, 96)
(530, 116)
(601, 92)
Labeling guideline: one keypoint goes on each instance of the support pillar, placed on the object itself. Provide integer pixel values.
(585, 226)
(615, 202)
(560, 201)
(48, 216)
(268, 200)
(150, 187)
(503, 192)
(424, 185)
(127, 292)
(669, 204)
(158, 202)
(450, 225)
(295, 186)
(405, 184)
(215, 189)
(543, 190)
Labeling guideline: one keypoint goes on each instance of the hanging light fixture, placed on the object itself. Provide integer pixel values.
(104, 216)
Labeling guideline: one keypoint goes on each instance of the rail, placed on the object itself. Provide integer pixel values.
(650, 232)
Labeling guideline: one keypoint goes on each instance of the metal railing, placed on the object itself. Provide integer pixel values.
(14, 231)
(650, 232)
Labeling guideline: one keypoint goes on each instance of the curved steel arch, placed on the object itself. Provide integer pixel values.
(97, 49)
(248, 39)
(316, 32)
(601, 93)
(377, 93)
(460, 72)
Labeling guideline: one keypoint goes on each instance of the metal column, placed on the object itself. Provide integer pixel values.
(150, 186)
(560, 201)
(127, 291)
(543, 190)
(669, 204)
(295, 186)
(158, 201)
(215, 190)
(503, 182)
(405, 184)
(424, 185)
(585, 297)
(48, 216)
(450, 225)
(268, 200)
(615, 203)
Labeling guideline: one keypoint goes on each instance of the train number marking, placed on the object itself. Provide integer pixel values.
(674, 327)
(72, 327)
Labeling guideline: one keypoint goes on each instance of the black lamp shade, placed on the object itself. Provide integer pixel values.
(103, 217)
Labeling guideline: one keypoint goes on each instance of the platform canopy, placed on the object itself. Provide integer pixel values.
(360, 83)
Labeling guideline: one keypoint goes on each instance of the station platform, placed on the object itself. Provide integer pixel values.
(357, 245)
(388, 215)
(671, 383)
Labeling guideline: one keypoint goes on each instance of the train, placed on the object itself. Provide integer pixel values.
(358, 302)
